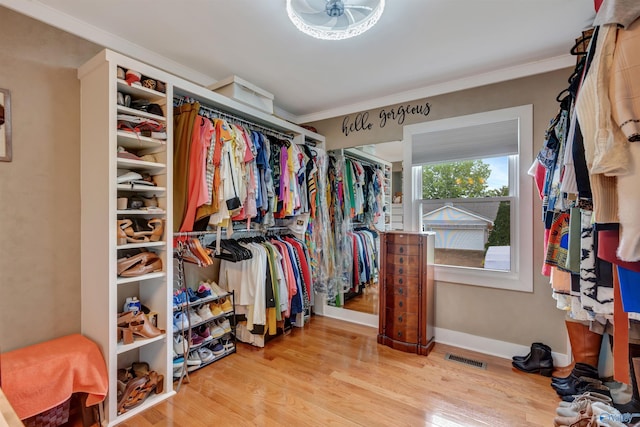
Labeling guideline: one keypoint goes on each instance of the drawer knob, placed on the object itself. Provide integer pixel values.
(400, 303)
(400, 291)
(401, 250)
(400, 281)
(400, 334)
(400, 319)
(400, 270)
(401, 260)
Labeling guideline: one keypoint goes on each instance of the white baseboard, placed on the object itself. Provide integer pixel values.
(490, 346)
(352, 316)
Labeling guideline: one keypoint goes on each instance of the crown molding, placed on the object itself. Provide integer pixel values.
(497, 76)
(68, 23)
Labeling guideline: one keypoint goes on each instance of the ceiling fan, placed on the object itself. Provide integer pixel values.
(334, 19)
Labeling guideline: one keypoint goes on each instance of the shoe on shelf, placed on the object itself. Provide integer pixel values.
(179, 298)
(203, 331)
(195, 340)
(216, 331)
(206, 355)
(225, 325)
(179, 345)
(142, 326)
(193, 361)
(194, 318)
(226, 306)
(192, 296)
(216, 310)
(204, 290)
(205, 312)
(180, 321)
(217, 289)
(153, 265)
(228, 345)
(218, 349)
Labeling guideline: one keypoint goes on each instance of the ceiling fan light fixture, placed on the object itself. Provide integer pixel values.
(334, 19)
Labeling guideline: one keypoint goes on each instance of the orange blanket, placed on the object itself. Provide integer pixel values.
(40, 377)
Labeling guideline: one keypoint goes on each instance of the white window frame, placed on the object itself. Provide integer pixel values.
(520, 278)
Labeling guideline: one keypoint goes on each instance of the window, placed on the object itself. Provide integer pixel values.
(471, 189)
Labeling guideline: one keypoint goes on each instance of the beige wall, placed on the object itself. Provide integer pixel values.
(40, 188)
(510, 316)
(40, 194)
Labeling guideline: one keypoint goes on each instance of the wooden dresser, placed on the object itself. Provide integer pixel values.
(406, 291)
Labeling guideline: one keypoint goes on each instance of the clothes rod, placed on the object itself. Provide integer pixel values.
(179, 100)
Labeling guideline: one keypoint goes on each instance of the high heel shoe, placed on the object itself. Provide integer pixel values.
(141, 326)
(129, 393)
(157, 227)
(121, 235)
(126, 225)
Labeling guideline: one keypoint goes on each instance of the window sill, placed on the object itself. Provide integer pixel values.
(507, 280)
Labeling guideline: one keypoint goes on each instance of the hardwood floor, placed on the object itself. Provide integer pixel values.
(335, 373)
(367, 302)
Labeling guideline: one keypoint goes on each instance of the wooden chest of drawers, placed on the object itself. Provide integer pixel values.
(406, 291)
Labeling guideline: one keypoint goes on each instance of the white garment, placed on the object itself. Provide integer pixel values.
(604, 144)
(622, 12)
(629, 208)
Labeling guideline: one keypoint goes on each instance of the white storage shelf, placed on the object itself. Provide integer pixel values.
(133, 141)
(141, 188)
(102, 290)
(139, 91)
(154, 168)
(156, 275)
(133, 112)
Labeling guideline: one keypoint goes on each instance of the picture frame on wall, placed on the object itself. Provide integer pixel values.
(5, 125)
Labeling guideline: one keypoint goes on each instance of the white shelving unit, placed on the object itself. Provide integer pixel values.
(103, 291)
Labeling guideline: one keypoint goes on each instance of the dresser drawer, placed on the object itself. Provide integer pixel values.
(402, 326)
(409, 283)
(402, 269)
(401, 249)
(402, 239)
(402, 303)
(412, 261)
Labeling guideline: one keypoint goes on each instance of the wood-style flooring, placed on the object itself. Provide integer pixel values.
(366, 302)
(333, 373)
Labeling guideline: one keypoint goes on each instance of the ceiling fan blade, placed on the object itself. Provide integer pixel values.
(318, 18)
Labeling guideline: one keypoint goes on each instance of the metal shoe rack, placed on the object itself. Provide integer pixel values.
(181, 372)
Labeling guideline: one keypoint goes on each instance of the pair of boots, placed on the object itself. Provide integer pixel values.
(583, 379)
(538, 360)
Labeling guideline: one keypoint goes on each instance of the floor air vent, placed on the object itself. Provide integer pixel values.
(464, 360)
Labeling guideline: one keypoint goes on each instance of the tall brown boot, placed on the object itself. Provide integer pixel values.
(585, 347)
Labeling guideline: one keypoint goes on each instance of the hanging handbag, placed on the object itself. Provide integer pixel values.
(234, 204)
